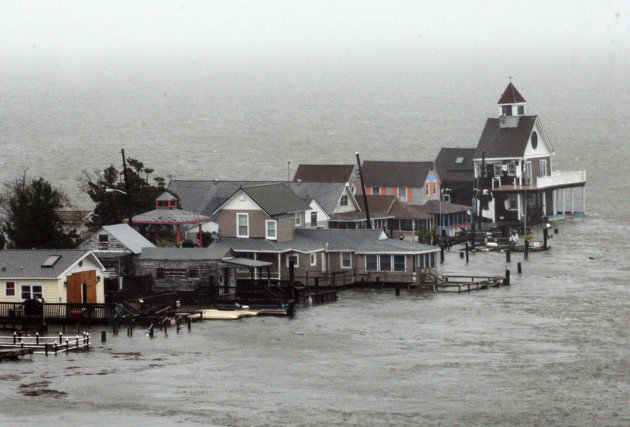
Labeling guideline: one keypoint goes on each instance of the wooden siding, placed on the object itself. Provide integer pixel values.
(176, 274)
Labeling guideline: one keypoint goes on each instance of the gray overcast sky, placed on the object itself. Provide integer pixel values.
(40, 28)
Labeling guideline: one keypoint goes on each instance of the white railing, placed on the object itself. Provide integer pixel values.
(558, 178)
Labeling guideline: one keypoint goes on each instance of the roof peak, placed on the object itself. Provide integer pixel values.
(511, 95)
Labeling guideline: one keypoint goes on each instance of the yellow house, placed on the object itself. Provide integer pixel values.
(51, 275)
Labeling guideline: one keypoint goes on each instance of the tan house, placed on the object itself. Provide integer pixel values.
(266, 223)
(51, 275)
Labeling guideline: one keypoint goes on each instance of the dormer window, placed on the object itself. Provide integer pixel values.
(344, 200)
(521, 110)
(506, 110)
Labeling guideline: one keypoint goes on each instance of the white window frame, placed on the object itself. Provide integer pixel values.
(6, 283)
(376, 191)
(427, 188)
(343, 201)
(297, 260)
(394, 263)
(391, 263)
(313, 216)
(298, 218)
(267, 235)
(341, 260)
(313, 257)
(542, 171)
(378, 264)
(402, 194)
(238, 234)
(511, 169)
(30, 286)
(497, 167)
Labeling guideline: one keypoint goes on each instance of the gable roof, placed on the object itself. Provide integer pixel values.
(204, 197)
(129, 237)
(27, 263)
(166, 197)
(323, 173)
(395, 174)
(326, 194)
(439, 207)
(449, 170)
(511, 95)
(384, 207)
(274, 199)
(505, 142)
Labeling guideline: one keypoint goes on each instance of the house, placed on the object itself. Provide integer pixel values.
(324, 198)
(114, 245)
(399, 220)
(340, 174)
(75, 221)
(449, 218)
(457, 174)
(195, 270)
(266, 223)
(410, 182)
(52, 275)
(513, 167)
(167, 220)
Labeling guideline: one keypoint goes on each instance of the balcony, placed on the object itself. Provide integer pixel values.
(561, 179)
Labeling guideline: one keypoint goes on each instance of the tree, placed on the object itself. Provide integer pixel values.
(29, 216)
(111, 206)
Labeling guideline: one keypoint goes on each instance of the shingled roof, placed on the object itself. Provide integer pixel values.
(395, 174)
(323, 173)
(274, 199)
(511, 95)
(505, 142)
(27, 263)
(450, 170)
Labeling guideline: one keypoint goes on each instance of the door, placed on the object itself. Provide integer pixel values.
(528, 173)
(82, 287)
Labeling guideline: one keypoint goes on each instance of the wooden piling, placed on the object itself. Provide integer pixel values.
(519, 268)
(506, 281)
(397, 290)
(526, 249)
(103, 336)
(508, 257)
(441, 253)
(466, 252)
(545, 237)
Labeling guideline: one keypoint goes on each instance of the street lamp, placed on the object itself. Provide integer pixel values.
(116, 190)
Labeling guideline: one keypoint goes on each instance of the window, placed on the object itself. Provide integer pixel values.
(402, 194)
(371, 262)
(242, 225)
(51, 261)
(543, 168)
(193, 273)
(344, 200)
(506, 110)
(298, 218)
(446, 197)
(159, 273)
(346, 260)
(314, 219)
(426, 189)
(32, 292)
(376, 191)
(295, 259)
(271, 231)
(511, 168)
(498, 169)
(9, 289)
(521, 110)
(386, 263)
(459, 160)
(313, 260)
(103, 238)
(433, 187)
(399, 263)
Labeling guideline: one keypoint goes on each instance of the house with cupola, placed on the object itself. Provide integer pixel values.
(513, 166)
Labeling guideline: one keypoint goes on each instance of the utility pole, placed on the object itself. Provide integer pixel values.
(368, 224)
(127, 188)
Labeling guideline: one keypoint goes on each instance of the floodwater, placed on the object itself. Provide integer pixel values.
(550, 349)
(553, 348)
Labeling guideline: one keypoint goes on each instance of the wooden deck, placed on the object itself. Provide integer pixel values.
(45, 344)
(14, 353)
